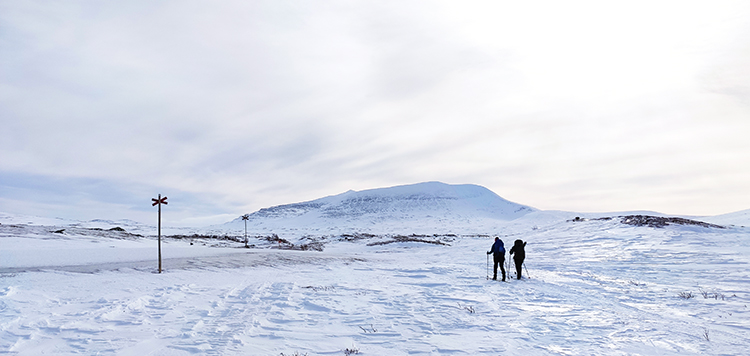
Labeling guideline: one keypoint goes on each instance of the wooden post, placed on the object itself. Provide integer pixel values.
(245, 217)
(159, 202)
(159, 228)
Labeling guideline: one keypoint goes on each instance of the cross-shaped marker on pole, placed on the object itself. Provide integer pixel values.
(159, 201)
(245, 217)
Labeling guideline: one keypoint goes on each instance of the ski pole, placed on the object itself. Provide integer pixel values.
(507, 269)
(488, 267)
(527, 270)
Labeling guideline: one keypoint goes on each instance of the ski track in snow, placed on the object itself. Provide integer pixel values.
(596, 288)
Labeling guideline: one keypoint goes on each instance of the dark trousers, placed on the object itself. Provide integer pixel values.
(519, 266)
(499, 259)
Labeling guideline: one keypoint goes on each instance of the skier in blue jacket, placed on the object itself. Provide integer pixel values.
(498, 254)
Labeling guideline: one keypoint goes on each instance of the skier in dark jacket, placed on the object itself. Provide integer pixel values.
(520, 255)
(498, 254)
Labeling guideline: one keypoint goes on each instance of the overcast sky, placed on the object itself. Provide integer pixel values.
(230, 106)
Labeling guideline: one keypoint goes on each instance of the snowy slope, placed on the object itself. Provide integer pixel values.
(739, 218)
(431, 207)
(8, 219)
(630, 283)
(126, 224)
(596, 287)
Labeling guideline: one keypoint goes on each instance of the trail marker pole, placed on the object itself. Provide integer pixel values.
(245, 218)
(159, 201)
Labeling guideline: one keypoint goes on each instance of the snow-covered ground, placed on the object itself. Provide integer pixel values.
(595, 287)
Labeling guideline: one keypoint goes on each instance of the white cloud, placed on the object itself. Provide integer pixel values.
(575, 105)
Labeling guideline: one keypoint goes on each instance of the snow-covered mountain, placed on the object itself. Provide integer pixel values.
(422, 207)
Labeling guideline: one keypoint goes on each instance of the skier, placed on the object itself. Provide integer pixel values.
(520, 255)
(498, 251)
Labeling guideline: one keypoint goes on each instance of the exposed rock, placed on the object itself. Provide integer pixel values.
(660, 222)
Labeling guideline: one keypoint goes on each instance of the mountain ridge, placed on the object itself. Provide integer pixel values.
(402, 197)
(432, 205)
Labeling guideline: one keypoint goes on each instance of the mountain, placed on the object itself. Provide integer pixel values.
(421, 207)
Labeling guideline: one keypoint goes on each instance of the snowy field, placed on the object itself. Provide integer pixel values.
(595, 287)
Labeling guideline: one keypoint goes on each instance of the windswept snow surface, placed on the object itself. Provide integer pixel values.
(596, 287)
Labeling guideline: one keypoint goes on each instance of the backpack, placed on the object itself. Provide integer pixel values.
(501, 248)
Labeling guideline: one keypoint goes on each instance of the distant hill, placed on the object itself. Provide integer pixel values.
(738, 218)
(422, 206)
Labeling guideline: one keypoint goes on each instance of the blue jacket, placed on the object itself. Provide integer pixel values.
(497, 248)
